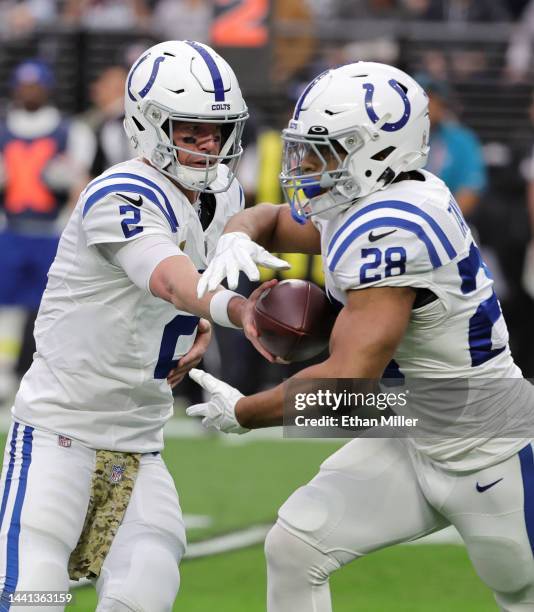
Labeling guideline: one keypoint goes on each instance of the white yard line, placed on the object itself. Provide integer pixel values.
(197, 521)
(227, 542)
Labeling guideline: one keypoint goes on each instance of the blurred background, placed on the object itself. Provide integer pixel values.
(63, 64)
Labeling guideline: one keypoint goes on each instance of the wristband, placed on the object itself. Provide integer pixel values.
(219, 308)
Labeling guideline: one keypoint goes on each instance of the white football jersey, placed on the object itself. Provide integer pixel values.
(105, 346)
(413, 234)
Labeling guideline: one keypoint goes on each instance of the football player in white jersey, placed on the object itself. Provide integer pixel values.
(120, 324)
(399, 257)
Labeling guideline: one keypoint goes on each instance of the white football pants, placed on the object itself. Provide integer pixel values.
(373, 493)
(44, 494)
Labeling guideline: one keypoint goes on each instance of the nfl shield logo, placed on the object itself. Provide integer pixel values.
(116, 473)
(64, 441)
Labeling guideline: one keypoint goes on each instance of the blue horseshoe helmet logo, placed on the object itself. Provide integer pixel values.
(151, 78)
(387, 127)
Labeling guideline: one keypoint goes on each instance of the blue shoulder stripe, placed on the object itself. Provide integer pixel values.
(130, 188)
(168, 213)
(397, 205)
(410, 226)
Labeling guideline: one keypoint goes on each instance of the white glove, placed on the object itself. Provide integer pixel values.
(527, 277)
(219, 412)
(236, 252)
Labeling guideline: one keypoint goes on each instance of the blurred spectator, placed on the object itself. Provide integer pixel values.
(516, 7)
(355, 9)
(182, 19)
(21, 18)
(293, 39)
(107, 14)
(458, 11)
(381, 49)
(455, 151)
(43, 158)
(106, 119)
(528, 268)
(519, 54)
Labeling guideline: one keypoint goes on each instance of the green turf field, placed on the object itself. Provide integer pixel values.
(242, 484)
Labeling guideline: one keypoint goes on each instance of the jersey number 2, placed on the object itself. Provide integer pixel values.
(130, 221)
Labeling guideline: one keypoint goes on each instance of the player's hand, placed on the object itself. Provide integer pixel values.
(219, 412)
(193, 357)
(249, 325)
(235, 253)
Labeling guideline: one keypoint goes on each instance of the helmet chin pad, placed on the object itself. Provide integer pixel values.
(328, 204)
(196, 179)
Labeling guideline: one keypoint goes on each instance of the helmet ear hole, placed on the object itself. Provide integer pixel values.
(368, 173)
(166, 127)
(387, 176)
(138, 125)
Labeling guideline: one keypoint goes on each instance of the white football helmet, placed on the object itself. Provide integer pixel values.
(184, 81)
(369, 121)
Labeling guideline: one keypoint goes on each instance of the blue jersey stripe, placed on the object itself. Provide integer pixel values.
(171, 217)
(9, 474)
(410, 226)
(468, 269)
(130, 188)
(397, 205)
(213, 68)
(526, 459)
(12, 561)
(480, 325)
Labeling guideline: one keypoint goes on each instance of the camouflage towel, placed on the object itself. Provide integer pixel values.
(111, 489)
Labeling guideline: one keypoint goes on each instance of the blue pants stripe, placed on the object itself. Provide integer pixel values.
(526, 459)
(9, 475)
(12, 563)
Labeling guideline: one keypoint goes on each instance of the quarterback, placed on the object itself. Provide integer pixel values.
(84, 490)
(399, 257)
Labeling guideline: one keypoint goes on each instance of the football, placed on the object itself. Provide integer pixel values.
(294, 320)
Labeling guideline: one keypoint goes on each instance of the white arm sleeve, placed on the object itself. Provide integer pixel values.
(139, 258)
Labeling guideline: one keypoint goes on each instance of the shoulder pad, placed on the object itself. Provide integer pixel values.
(391, 238)
(121, 205)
